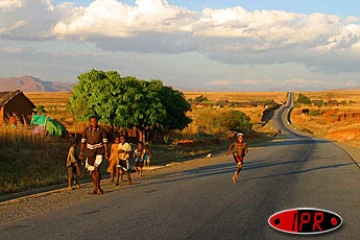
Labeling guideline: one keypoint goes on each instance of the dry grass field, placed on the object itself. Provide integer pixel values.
(340, 122)
(239, 96)
(202, 116)
(30, 161)
(56, 106)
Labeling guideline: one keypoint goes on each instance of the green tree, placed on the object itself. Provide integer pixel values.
(302, 99)
(127, 101)
(92, 94)
(176, 108)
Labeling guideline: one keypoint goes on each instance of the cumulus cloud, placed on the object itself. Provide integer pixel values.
(8, 5)
(112, 18)
(320, 42)
(31, 19)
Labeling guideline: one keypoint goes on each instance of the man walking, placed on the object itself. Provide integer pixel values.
(94, 137)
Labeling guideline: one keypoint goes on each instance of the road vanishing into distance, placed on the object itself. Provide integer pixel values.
(291, 171)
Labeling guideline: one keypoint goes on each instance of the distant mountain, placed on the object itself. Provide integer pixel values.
(33, 84)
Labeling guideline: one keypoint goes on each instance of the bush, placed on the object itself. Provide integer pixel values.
(236, 121)
(40, 109)
(302, 99)
(320, 103)
(315, 113)
(201, 99)
(305, 111)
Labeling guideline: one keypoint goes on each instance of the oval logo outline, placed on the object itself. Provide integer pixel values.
(306, 209)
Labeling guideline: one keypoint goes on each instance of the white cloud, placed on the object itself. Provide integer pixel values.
(32, 19)
(235, 35)
(112, 18)
(12, 26)
(8, 5)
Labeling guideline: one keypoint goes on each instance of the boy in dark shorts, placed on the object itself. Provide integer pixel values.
(124, 150)
(240, 149)
(138, 155)
(73, 170)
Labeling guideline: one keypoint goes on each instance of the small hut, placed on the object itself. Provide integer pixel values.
(15, 102)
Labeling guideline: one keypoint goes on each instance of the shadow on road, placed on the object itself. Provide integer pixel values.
(285, 142)
(300, 171)
(229, 168)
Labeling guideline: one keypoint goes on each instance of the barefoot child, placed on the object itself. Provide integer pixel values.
(147, 155)
(95, 141)
(124, 150)
(113, 159)
(239, 148)
(138, 155)
(73, 170)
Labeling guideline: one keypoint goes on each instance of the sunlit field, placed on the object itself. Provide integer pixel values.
(340, 121)
(239, 96)
(56, 106)
(48, 154)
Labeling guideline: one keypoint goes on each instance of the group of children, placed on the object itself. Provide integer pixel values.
(121, 154)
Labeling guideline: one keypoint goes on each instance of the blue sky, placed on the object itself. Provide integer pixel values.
(342, 8)
(308, 45)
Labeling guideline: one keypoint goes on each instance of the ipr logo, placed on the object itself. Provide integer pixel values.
(305, 221)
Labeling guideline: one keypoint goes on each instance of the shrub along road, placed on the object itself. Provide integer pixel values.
(197, 200)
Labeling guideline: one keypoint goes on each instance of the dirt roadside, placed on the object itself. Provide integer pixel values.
(351, 150)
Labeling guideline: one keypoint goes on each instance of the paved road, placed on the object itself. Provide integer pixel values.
(203, 203)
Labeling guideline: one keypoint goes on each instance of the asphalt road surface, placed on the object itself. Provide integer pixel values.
(203, 203)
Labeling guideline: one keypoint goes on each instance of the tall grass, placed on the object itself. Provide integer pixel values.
(29, 160)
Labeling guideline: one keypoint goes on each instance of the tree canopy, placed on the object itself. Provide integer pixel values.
(128, 101)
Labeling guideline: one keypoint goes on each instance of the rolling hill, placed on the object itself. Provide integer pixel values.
(32, 84)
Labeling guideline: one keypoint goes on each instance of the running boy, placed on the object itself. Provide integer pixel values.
(124, 150)
(73, 170)
(138, 155)
(240, 149)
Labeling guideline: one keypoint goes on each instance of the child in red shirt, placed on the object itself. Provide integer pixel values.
(240, 149)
